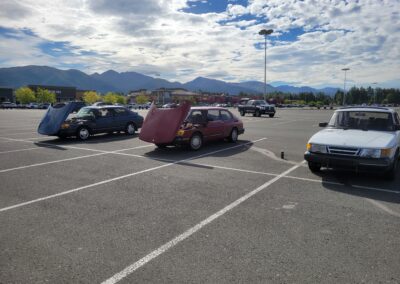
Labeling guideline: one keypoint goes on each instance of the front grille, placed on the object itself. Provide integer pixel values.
(343, 151)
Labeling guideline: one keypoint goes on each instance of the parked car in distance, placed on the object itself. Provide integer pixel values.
(9, 105)
(44, 106)
(32, 105)
(358, 138)
(190, 126)
(257, 108)
(139, 106)
(88, 121)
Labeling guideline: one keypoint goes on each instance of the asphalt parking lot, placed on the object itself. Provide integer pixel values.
(117, 209)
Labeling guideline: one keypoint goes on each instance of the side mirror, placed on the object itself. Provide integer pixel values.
(323, 124)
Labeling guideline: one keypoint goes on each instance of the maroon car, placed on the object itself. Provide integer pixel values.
(191, 126)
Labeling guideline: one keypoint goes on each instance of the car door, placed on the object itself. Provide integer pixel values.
(120, 118)
(105, 120)
(228, 121)
(215, 126)
(397, 122)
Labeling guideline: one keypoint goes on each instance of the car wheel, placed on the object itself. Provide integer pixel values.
(258, 114)
(196, 141)
(242, 113)
(161, 146)
(314, 167)
(83, 133)
(130, 129)
(391, 174)
(62, 137)
(271, 115)
(234, 135)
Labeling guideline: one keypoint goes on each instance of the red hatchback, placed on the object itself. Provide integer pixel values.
(192, 126)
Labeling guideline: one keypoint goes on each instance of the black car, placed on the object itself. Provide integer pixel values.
(88, 121)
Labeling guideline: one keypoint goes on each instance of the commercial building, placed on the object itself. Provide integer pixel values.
(63, 94)
(6, 94)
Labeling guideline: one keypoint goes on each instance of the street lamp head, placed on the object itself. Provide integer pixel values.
(265, 32)
(346, 69)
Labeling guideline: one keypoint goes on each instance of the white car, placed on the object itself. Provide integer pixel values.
(360, 138)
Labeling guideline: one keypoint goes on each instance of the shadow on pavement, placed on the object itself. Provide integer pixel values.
(373, 186)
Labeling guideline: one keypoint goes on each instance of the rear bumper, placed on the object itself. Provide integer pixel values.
(354, 163)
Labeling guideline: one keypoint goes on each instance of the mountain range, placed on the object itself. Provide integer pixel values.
(111, 80)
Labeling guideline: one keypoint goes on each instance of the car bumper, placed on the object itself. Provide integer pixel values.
(354, 163)
(267, 111)
(71, 131)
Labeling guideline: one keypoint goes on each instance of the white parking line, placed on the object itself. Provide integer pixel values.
(99, 153)
(165, 247)
(121, 177)
(383, 207)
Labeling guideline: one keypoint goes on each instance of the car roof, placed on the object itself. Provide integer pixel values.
(104, 106)
(206, 108)
(374, 109)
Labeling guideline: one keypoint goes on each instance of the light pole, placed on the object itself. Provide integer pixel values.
(344, 84)
(374, 83)
(265, 33)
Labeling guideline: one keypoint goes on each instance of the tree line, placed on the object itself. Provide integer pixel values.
(354, 96)
(25, 95)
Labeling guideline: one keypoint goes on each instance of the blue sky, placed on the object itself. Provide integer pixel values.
(181, 40)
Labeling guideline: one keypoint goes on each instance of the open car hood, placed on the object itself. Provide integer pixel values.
(55, 116)
(160, 125)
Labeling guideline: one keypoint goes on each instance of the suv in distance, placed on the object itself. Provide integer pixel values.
(359, 138)
(257, 108)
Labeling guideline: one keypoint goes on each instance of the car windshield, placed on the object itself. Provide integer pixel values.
(260, 102)
(85, 112)
(364, 120)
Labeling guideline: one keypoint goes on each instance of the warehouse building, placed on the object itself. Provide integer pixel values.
(63, 94)
(6, 94)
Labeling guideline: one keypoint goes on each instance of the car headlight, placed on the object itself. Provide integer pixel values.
(317, 148)
(64, 125)
(180, 132)
(375, 153)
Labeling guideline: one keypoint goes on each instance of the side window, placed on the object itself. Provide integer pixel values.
(196, 116)
(213, 114)
(120, 112)
(396, 119)
(250, 103)
(104, 112)
(225, 115)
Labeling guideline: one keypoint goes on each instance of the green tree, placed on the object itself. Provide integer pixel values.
(110, 98)
(45, 96)
(25, 95)
(121, 99)
(90, 97)
(142, 99)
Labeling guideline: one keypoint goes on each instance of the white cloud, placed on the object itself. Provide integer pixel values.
(156, 36)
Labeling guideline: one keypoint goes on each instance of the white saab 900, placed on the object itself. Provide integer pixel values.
(359, 138)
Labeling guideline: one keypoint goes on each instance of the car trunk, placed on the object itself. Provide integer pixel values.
(160, 125)
(54, 117)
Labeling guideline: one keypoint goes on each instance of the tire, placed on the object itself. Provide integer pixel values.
(271, 115)
(130, 128)
(233, 137)
(161, 146)
(391, 174)
(314, 167)
(242, 113)
(257, 113)
(196, 141)
(62, 137)
(83, 133)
